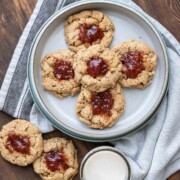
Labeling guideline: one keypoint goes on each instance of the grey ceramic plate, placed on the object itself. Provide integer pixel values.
(141, 105)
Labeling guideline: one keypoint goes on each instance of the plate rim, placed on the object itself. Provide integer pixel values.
(43, 108)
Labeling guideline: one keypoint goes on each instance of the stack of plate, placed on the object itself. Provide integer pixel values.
(141, 105)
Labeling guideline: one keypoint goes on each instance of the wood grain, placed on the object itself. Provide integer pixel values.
(167, 12)
(175, 176)
(14, 15)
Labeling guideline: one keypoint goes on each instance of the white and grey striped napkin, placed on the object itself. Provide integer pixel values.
(154, 151)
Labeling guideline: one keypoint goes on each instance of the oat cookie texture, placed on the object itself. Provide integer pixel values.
(146, 68)
(85, 111)
(96, 59)
(63, 82)
(58, 160)
(20, 142)
(87, 28)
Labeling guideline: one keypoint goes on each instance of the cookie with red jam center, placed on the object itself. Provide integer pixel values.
(98, 68)
(100, 109)
(20, 142)
(58, 74)
(139, 62)
(58, 160)
(88, 28)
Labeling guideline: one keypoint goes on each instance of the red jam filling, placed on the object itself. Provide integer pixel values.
(90, 33)
(56, 160)
(102, 103)
(133, 64)
(18, 143)
(97, 67)
(63, 70)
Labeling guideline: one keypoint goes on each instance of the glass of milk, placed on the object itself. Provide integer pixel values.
(105, 163)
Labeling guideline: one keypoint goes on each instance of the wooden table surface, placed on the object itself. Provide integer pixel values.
(14, 15)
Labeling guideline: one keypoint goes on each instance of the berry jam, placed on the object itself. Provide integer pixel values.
(133, 64)
(90, 33)
(18, 143)
(102, 103)
(63, 70)
(97, 67)
(55, 160)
